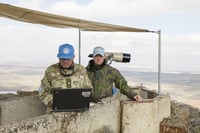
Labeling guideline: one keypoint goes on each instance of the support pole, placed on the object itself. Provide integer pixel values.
(79, 48)
(159, 60)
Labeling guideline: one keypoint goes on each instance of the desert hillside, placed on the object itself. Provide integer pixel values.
(20, 78)
(183, 87)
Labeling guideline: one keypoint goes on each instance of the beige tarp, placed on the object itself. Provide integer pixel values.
(37, 17)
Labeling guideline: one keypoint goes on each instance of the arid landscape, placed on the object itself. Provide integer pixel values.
(183, 87)
(14, 78)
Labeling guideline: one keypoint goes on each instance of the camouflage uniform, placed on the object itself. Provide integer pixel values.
(104, 77)
(76, 77)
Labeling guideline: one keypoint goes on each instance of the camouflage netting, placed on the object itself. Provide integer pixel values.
(184, 118)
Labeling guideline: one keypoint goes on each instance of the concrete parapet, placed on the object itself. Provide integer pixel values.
(101, 118)
(42, 124)
(20, 108)
(144, 117)
(106, 117)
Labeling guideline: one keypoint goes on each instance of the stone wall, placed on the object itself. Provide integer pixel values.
(144, 117)
(101, 118)
(106, 117)
(20, 108)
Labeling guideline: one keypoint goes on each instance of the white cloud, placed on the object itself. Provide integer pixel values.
(33, 4)
(124, 8)
(43, 41)
(114, 8)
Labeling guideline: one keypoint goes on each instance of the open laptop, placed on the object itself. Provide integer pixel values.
(68, 100)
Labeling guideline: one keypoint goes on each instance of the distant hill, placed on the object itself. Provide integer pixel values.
(20, 77)
(188, 80)
(181, 86)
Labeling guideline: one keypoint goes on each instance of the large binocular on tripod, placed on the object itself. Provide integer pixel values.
(116, 56)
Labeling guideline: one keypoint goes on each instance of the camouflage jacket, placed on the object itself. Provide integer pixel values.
(54, 78)
(104, 77)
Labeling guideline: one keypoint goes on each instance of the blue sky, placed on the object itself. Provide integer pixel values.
(178, 21)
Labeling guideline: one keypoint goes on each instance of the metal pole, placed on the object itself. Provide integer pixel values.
(79, 48)
(159, 59)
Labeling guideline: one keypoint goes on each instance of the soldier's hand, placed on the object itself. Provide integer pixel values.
(138, 98)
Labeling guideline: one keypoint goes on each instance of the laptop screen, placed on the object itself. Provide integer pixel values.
(67, 100)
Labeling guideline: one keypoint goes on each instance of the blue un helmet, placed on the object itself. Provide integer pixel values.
(66, 51)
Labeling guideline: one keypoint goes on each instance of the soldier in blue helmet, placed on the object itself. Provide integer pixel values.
(64, 74)
(105, 79)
